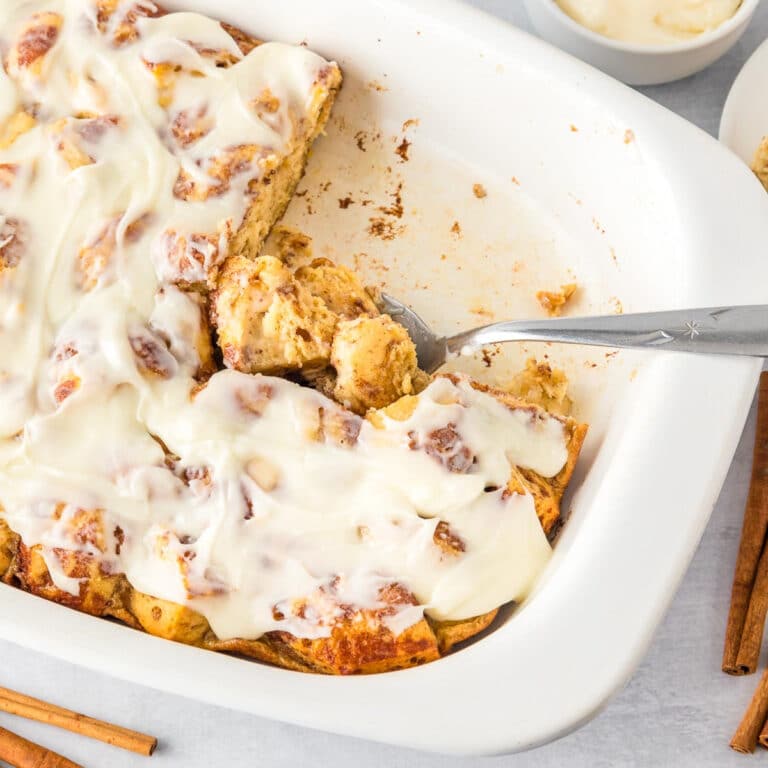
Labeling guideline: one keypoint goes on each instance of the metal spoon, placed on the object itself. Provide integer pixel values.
(714, 331)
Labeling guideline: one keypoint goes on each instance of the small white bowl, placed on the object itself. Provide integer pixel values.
(634, 63)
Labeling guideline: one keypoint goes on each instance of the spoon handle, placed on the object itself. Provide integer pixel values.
(717, 330)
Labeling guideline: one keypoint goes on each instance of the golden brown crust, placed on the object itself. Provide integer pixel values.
(451, 633)
(360, 642)
(9, 542)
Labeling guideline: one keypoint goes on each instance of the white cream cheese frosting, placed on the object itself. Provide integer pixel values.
(244, 494)
(650, 22)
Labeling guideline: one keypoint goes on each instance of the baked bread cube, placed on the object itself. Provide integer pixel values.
(339, 288)
(267, 322)
(375, 363)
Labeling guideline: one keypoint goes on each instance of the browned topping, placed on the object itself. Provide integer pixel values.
(157, 612)
(93, 128)
(119, 535)
(446, 447)
(248, 515)
(456, 229)
(254, 399)
(8, 173)
(11, 243)
(339, 427)
(37, 39)
(396, 594)
(65, 388)
(65, 352)
(195, 476)
(88, 528)
(402, 150)
(479, 191)
(123, 27)
(245, 42)
(221, 170)
(188, 126)
(447, 540)
(152, 356)
(345, 202)
(266, 102)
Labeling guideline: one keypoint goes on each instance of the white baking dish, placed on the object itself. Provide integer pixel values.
(642, 208)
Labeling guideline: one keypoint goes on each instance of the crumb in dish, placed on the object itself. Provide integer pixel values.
(553, 302)
(542, 385)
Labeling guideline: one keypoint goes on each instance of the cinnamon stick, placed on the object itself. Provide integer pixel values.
(20, 753)
(745, 738)
(763, 738)
(753, 534)
(25, 706)
(754, 624)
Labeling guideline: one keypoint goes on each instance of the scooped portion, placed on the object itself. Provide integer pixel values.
(319, 322)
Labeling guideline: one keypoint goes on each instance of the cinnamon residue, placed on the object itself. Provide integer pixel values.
(456, 229)
(395, 208)
(402, 150)
(481, 311)
(487, 358)
(384, 229)
(345, 202)
(479, 191)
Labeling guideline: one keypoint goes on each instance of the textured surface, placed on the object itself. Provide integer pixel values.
(679, 710)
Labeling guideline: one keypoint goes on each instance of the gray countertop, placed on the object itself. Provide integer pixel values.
(679, 709)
